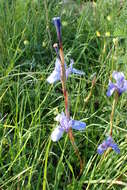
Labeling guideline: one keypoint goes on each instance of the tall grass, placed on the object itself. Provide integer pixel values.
(28, 159)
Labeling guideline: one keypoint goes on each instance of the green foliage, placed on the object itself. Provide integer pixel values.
(28, 159)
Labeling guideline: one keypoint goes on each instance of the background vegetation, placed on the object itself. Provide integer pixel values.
(95, 36)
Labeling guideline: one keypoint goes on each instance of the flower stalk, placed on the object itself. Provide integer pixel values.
(57, 24)
(63, 81)
(71, 137)
(113, 111)
(86, 100)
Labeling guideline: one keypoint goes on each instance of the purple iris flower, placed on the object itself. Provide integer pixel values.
(57, 23)
(55, 75)
(106, 144)
(65, 125)
(120, 86)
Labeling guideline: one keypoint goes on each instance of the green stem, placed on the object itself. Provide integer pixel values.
(113, 111)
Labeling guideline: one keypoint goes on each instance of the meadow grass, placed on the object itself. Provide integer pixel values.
(28, 158)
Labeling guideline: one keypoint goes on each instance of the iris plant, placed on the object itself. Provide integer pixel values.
(61, 72)
(119, 87)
